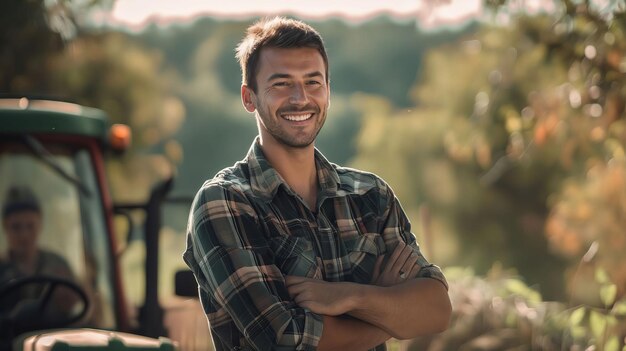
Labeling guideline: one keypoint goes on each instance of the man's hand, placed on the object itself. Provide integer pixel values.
(337, 298)
(401, 265)
(395, 301)
(334, 300)
(321, 297)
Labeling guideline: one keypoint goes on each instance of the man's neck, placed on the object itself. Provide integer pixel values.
(297, 167)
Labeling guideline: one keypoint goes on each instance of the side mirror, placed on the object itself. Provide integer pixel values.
(185, 284)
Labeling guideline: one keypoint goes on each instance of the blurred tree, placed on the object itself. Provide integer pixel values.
(47, 51)
(113, 72)
(30, 32)
(516, 131)
(581, 121)
(208, 80)
(25, 41)
(441, 149)
(381, 56)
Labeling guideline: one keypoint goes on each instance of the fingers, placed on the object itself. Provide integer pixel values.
(295, 285)
(376, 274)
(394, 257)
(415, 269)
(402, 259)
(409, 263)
(305, 300)
(319, 296)
(400, 266)
(294, 279)
(300, 297)
(398, 258)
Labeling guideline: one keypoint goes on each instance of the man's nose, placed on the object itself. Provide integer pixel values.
(298, 95)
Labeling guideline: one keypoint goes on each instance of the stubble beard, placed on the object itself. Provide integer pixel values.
(268, 121)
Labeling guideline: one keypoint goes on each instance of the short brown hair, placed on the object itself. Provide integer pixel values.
(276, 32)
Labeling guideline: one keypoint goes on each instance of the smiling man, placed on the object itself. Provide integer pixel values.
(290, 251)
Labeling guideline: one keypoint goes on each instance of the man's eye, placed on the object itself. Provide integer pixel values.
(280, 84)
(313, 82)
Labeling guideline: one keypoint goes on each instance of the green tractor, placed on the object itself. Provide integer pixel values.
(60, 277)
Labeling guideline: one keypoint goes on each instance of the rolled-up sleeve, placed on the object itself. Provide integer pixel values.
(235, 271)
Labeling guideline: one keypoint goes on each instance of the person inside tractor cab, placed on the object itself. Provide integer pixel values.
(22, 224)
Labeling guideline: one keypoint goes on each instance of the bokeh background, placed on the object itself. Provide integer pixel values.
(500, 124)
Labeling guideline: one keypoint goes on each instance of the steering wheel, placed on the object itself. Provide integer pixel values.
(30, 314)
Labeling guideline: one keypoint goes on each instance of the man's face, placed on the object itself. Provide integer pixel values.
(292, 96)
(22, 230)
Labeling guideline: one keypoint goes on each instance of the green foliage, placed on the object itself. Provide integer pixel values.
(208, 81)
(500, 312)
(115, 73)
(25, 40)
(517, 140)
(30, 32)
(46, 54)
(442, 149)
(619, 309)
(586, 209)
(513, 137)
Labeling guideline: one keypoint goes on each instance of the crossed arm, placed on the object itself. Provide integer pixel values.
(241, 286)
(396, 304)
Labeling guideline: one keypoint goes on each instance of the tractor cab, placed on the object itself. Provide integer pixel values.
(58, 250)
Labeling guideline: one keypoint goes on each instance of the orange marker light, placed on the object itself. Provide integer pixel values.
(119, 137)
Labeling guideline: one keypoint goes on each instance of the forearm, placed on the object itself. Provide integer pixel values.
(347, 333)
(416, 307)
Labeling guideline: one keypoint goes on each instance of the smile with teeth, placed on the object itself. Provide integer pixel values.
(297, 117)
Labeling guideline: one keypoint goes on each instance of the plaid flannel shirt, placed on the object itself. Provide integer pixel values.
(247, 230)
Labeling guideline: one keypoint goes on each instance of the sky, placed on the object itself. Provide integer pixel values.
(429, 14)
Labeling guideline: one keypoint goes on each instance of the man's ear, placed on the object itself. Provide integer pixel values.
(328, 103)
(248, 98)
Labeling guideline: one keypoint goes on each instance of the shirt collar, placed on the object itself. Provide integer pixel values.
(265, 180)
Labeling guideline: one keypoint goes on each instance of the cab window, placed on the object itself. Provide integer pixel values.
(52, 210)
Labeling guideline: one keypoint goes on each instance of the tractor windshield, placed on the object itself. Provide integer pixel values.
(53, 223)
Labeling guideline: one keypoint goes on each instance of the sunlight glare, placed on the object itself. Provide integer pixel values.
(138, 13)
